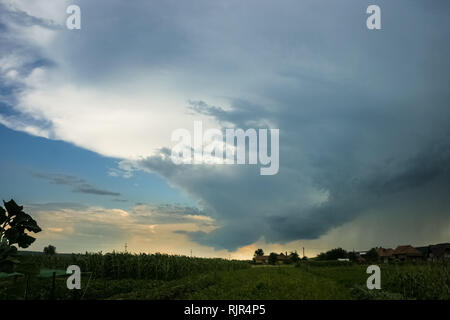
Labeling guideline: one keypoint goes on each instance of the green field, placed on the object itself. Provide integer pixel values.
(126, 276)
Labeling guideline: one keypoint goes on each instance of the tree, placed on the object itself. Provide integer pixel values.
(322, 256)
(353, 256)
(333, 254)
(259, 253)
(13, 226)
(50, 250)
(337, 253)
(371, 255)
(293, 256)
(273, 257)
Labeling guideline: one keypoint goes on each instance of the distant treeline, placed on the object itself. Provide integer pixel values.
(339, 253)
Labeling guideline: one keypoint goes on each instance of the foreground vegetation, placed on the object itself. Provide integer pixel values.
(160, 276)
(127, 276)
(423, 280)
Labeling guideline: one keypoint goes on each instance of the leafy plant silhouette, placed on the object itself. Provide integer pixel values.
(13, 226)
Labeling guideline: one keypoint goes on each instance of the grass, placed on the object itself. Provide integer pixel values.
(345, 275)
(282, 282)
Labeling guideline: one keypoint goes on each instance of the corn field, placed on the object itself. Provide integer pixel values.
(426, 281)
(137, 266)
(420, 280)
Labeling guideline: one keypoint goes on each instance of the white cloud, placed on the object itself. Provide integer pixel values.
(96, 228)
(110, 121)
(129, 117)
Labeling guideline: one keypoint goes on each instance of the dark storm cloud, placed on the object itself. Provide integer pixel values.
(77, 184)
(363, 115)
(364, 152)
(248, 208)
(422, 170)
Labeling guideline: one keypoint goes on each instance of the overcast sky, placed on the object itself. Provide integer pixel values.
(86, 118)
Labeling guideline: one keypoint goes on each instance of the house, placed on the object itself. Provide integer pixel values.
(385, 255)
(281, 258)
(435, 251)
(406, 253)
(261, 259)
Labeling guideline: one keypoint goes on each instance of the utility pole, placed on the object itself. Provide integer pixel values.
(191, 253)
(303, 252)
(126, 247)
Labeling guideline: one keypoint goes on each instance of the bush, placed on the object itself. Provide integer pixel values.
(50, 250)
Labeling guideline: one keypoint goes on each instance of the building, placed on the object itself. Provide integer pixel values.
(435, 252)
(261, 259)
(406, 253)
(281, 258)
(385, 255)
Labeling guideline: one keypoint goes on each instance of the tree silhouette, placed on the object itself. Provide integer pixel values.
(259, 252)
(332, 254)
(13, 226)
(353, 256)
(293, 256)
(273, 257)
(50, 250)
(371, 255)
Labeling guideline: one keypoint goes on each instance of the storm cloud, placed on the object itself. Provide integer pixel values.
(363, 115)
